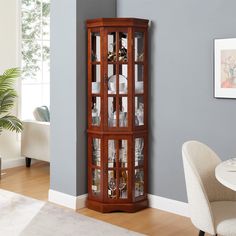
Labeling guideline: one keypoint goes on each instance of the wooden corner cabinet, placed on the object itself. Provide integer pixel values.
(117, 114)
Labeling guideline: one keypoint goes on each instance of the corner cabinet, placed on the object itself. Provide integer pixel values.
(117, 114)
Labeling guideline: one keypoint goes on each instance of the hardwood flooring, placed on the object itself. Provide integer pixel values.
(34, 182)
(149, 221)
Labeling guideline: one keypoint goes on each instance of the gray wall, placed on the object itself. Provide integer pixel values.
(68, 90)
(181, 100)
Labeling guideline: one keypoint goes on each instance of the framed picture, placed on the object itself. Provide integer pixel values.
(225, 68)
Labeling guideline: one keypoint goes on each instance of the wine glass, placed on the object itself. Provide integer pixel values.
(96, 144)
(122, 185)
(139, 144)
(140, 112)
(112, 186)
(96, 150)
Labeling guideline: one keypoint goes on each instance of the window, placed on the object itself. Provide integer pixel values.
(35, 31)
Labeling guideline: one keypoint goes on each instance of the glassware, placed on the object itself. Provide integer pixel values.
(111, 112)
(139, 157)
(140, 113)
(139, 182)
(96, 181)
(96, 152)
(112, 186)
(95, 50)
(95, 115)
(139, 144)
(139, 110)
(139, 46)
(123, 153)
(111, 153)
(111, 40)
(123, 112)
(122, 185)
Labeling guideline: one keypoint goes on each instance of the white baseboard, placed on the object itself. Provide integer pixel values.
(161, 203)
(73, 202)
(11, 163)
(169, 205)
(6, 164)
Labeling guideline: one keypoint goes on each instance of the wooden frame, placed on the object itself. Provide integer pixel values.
(129, 127)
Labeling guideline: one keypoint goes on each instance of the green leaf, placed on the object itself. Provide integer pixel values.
(11, 123)
(12, 73)
(7, 99)
(8, 78)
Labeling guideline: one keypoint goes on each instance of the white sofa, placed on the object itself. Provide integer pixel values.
(35, 139)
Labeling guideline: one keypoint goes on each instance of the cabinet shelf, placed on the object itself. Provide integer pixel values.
(117, 62)
(117, 114)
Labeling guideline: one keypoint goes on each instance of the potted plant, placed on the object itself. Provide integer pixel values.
(7, 99)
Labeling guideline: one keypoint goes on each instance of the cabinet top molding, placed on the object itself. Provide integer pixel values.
(110, 22)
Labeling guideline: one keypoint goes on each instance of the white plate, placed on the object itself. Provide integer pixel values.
(112, 79)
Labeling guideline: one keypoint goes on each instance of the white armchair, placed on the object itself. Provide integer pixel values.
(212, 206)
(35, 141)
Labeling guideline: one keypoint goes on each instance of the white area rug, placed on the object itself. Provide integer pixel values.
(23, 216)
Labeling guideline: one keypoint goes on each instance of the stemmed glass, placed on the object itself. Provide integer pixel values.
(122, 185)
(139, 144)
(112, 186)
(140, 112)
(111, 153)
(96, 150)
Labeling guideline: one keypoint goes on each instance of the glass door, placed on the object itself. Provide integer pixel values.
(95, 178)
(117, 78)
(139, 167)
(95, 88)
(117, 169)
(139, 78)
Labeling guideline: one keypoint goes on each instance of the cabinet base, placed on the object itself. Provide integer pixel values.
(110, 207)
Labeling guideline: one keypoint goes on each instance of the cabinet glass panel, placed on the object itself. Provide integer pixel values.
(112, 153)
(96, 108)
(112, 112)
(123, 112)
(123, 184)
(111, 78)
(123, 42)
(139, 46)
(139, 110)
(138, 75)
(112, 187)
(139, 152)
(123, 160)
(96, 182)
(111, 40)
(123, 75)
(96, 78)
(95, 42)
(96, 156)
(139, 182)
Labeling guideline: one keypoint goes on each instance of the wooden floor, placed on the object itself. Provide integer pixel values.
(34, 182)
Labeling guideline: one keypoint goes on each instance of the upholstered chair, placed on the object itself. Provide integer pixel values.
(212, 206)
(35, 136)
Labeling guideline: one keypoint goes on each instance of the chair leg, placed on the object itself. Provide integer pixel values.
(201, 233)
(27, 161)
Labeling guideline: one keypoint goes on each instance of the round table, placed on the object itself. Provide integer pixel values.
(226, 175)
